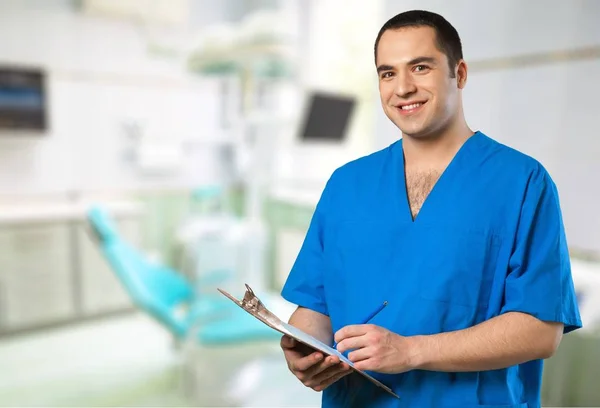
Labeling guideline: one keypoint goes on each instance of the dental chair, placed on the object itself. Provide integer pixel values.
(224, 349)
(170, 298)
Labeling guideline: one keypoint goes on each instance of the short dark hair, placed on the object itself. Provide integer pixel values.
(447, 38)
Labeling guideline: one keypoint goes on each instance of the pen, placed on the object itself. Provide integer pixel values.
(375, 313)
(369, 318)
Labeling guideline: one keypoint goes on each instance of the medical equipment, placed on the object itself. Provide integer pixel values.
(23, 100)
(171, 298)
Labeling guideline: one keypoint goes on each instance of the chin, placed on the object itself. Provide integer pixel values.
(409, 128)
(415, 132)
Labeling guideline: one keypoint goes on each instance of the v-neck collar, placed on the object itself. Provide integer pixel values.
(405, 211)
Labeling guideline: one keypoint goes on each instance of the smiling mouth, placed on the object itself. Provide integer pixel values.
(413, 107)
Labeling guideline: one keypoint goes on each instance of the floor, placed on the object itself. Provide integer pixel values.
(130, 361)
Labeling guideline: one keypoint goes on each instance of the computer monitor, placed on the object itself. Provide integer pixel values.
(321, 139)
(327, 117)
(22, 99)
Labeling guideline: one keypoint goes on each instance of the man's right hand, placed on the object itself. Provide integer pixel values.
(310, 367)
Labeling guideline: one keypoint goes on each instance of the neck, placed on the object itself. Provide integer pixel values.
(436, 149)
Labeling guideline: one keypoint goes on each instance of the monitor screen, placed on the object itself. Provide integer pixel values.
(327, 117)
(22, 99)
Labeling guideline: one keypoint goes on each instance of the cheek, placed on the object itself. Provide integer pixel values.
(386, 91)
(448, 100)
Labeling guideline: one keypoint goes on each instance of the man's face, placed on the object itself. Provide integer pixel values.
(417, 90)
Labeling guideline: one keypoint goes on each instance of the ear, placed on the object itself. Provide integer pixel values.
(461, 74)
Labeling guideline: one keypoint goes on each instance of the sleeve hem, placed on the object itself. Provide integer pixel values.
(570, 323)
(305, 301)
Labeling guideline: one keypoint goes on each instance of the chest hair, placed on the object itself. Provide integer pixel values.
(418, 185)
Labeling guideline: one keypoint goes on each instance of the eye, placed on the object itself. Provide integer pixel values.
(420, 68)
(386, 75)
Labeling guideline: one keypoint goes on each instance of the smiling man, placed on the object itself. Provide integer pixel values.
(459, 236)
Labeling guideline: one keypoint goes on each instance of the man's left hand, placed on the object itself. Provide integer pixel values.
(375, 348)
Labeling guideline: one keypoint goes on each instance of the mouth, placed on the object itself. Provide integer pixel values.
(411, 107)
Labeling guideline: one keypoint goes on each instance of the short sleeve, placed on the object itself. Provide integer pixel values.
(539, 280)
(304, 285)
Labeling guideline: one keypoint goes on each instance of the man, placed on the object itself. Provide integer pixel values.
(459, 234)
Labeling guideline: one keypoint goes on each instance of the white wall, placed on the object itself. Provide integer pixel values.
(547, 111)
(511, 27)
(100, 77)
(334, 39)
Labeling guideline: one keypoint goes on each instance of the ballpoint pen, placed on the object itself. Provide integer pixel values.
(375, 313)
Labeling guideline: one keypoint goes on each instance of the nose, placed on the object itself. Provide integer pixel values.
(405, 85)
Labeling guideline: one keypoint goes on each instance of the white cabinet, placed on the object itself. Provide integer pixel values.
(37, 285)
(52, 272)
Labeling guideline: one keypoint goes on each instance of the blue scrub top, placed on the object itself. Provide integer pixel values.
(488, 240)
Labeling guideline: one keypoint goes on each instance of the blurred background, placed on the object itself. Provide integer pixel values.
(153, 150)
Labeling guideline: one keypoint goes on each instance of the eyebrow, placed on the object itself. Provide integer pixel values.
(382, 68)
(414, 61)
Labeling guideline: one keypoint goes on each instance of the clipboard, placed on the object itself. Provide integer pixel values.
(253, 305)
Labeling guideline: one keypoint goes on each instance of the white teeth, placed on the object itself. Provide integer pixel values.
(413, 106)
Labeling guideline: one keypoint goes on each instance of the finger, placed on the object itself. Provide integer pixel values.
(360, 354)
(307, 375)
(352, 343)
(326, 364)
(351, 331)
(329, 373)
(304, 363)
(292, 356)
(369, 364)
(291, 353)
(331, 380)
(287, 342)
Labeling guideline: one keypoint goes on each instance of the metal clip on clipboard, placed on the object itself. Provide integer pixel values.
(254, 306)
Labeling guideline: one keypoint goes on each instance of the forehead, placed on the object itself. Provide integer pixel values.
(405, 44)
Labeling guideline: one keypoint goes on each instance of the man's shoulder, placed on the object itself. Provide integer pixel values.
(516, 162)
(352, 180)
(363, 166)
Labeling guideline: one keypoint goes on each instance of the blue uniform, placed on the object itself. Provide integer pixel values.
(488, 240)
